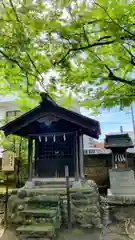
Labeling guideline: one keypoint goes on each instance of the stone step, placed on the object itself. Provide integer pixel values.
(41, 216)
(56, 180)
(51, 185)
(43, 191)
(43, 201)
(21, 237)
(45, 198)
(36, 231)
(35, 238)
(46, 213)
(48, 191)
(51, 182)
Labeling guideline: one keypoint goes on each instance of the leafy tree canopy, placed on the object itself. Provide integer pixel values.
(89, 45)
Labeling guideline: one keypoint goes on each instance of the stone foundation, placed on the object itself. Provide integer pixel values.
(36, 206)
(85, 209)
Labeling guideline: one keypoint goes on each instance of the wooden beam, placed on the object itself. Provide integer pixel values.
(51, 134)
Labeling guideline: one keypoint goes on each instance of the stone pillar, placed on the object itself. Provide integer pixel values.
(81, 156)
(30, 143)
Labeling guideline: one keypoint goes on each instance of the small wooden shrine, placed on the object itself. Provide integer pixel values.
(56, 136)
(119, 143)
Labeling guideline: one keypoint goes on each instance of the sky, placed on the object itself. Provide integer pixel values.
(111, 120)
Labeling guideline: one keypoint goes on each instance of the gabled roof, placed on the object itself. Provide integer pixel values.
(121, 140)
(86, 125)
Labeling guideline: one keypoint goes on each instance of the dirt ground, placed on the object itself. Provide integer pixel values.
(8, 235)
(109, 233)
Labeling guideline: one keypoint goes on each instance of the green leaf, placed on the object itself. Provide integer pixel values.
(82, 41)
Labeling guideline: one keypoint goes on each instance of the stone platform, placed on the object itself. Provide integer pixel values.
(122, 186)
(42, 210)
(119, 198)
(122, 182)
(48, 183)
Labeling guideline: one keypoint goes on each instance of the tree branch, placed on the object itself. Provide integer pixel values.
(112, 76)
(94, 21)
(85, 35)
(99, 42)
(15, 62)
(5, 20)
(129, 52)
(104, 37)
(21, 67)
(111, 94)
(32, 62)
(11, 59)
(28, 55)
(12, 5)
(102, 7)
(131, 55)
(83, 48)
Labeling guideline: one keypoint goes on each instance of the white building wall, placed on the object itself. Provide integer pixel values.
(88, 142)
(5, 105)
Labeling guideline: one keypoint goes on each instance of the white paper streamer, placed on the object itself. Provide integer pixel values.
(46, 139)
(39, 139)
(64, 137)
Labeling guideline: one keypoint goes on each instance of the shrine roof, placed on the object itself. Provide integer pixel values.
(121, 140)
(29, 121)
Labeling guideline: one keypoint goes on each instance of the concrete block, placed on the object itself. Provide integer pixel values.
(29, 185)
(122, 182)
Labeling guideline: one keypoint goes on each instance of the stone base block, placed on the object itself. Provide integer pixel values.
(120, 198)
(29, 185)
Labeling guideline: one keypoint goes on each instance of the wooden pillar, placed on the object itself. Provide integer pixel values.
(113, 160)
(81, 156)
(126, 159)
(30, 159)
(36, 156)
(76, 156)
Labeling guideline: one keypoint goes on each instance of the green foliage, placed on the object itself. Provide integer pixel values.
(19, 145)
(89, 44)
